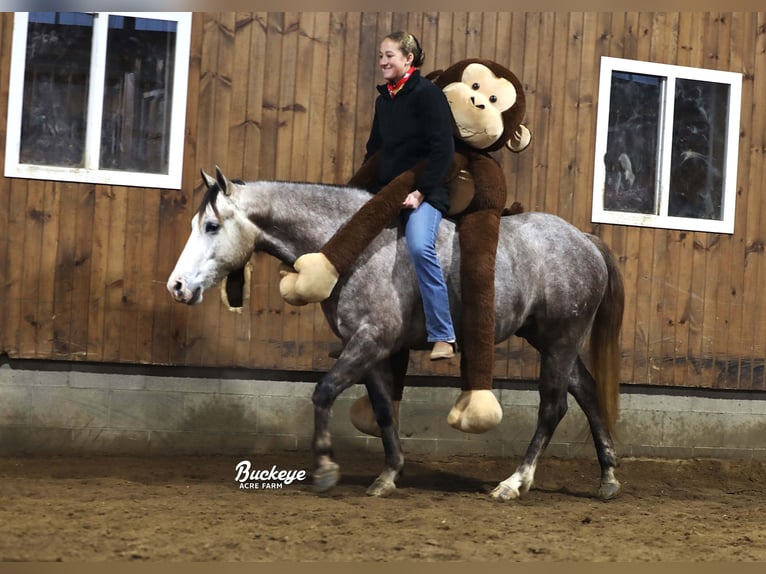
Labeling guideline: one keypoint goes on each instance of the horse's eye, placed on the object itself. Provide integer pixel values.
(212, 227)
(475, 86)
(493, 99)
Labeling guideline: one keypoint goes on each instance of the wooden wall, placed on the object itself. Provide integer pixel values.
(289, 96)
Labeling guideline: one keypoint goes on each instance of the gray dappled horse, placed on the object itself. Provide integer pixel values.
(554, 286)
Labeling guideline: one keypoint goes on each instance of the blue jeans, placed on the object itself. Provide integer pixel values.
(421, 227)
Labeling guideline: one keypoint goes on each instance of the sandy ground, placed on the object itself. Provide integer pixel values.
(190, 508)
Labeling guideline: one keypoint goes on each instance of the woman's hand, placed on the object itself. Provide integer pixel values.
(413, 200)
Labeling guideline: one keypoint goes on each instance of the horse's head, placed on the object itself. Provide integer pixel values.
(221, 241)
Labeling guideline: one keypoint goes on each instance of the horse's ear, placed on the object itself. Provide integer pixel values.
(223, 182)
(209, 181)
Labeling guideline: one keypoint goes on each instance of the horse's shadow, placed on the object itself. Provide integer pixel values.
(421, 476)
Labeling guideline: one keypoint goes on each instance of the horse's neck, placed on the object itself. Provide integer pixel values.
(297, 218)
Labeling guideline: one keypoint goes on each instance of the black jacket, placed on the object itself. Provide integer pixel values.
(414, 125)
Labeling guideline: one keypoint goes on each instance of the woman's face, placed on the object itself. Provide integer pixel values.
(392, 62)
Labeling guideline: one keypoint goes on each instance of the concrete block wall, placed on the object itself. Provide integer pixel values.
(70, 408)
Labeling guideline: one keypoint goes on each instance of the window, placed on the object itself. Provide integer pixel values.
(98, 97)
(666, 146)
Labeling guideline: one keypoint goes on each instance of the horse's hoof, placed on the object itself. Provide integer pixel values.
(326, 477)
(381, 487)
(504, 492)
(609, 490)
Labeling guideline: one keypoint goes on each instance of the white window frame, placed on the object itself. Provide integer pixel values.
(671, 73)
(90, 173)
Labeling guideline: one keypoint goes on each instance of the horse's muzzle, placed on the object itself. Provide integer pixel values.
(182, 293)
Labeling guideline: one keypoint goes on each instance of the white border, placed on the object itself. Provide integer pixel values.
(671, 72)
(90, 174)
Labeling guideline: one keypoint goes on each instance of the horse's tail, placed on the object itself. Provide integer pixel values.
(605, 339)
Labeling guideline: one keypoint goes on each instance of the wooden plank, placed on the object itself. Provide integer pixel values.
(30, 286)
(131, 273)
(83, 198)
(6, 329)
(251, 333)
(562, 142)
(305, 79)
(586, 117)
(752, 330)
(114, 279)
(459, 45)
(528, 74)
(356, 75)
(333, 105)
(474, 34)
(256, 32)
(63, 264)
(267, 322)
(709, 287)
(221, 339)
(677, 277)
(235, 324)
(726, 363)
(317, 55)
(13, 286)
(735, 288)
(270, 122)
(742, 59)
(285, 160)
(49, 241)
(661, 332)
(241, 62)
(169, 318)
(616, 236)
(543, 104)
(444, 35)
(517, 167)
(488, 36)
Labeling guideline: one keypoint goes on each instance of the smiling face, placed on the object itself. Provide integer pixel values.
(393, 63)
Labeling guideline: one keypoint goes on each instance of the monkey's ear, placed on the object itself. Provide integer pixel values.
(519, 140)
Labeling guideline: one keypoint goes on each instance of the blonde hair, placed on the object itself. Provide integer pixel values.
(408, 44)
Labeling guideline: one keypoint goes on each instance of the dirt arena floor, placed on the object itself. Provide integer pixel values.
(191, 509)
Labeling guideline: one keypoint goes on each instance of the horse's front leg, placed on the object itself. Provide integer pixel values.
(352, 365)
(326, 470)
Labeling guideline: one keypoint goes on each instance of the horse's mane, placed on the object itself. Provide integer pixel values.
(210, 197)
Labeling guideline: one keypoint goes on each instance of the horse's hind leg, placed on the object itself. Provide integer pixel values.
(377, 389)
(583, 389)
(553, 407)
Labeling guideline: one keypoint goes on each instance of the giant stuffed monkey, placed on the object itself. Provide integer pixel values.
(488, 106)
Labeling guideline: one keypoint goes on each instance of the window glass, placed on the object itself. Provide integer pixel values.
(666, 146)
(632, 144)
(98, 97)
(699, 149)
(138, 94)
(56, 82)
